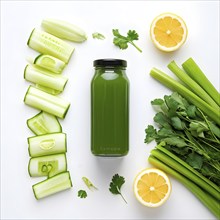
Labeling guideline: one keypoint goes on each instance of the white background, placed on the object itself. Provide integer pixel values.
(17, 21)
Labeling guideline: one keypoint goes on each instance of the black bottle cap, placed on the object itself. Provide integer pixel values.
(110, 63)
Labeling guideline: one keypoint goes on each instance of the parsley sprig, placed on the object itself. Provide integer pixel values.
(122, 41)
(116, 184)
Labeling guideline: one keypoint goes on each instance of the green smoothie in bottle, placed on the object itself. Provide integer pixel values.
(110, 108)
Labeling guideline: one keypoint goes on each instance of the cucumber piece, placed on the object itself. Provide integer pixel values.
(50, 63)
(47, 165)
(47, 144)
(48, 44)
(48, 90)
(46, 102)
(44, 123)
(64, 30)
(45, 78)
(55, 184)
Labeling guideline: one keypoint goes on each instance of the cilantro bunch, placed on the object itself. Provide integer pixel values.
(187, 133)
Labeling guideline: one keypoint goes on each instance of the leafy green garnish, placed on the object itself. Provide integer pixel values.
(99, 36)
(122, 41)
(116, 184)
(82, 194)
(88, 183)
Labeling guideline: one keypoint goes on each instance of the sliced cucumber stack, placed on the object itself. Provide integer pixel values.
(44, 123)
(47, 165)
(50, 63)
(48, 148)
(52, 185)
(47, 144)
(48, 44)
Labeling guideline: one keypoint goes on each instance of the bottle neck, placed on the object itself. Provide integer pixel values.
(115, 70)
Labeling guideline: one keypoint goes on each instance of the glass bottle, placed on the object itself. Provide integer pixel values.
(110, 108)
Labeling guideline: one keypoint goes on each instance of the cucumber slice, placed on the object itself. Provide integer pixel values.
(48, 90)
(44, 123)
(50, 63)
(47, 144)
(48, 44)
(47, 165)
(64, 30)
(46, 102)
(45, 78)
(55, 184)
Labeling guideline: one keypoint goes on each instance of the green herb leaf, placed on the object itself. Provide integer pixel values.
(165, 132)
(191, 111)
(177, 123)
(132, 35)
(195, 160)
(175, 141)
(88, 183)
(151, 134)
(157, 102)
(198, 128)
(122, 41)
(99, 36)
(162, 120)
(159, 105)
(214, 129)
(116, 184)
(82, 194)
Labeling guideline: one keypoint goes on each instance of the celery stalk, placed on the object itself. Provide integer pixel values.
(193, 70)
(186, 93)
(187, 166)
(197, 89)
(211, 203)
(185, 172)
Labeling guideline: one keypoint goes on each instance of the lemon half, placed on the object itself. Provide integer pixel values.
(168, 32)
(152, 187)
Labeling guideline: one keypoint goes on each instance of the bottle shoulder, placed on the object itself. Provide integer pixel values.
(110, 77)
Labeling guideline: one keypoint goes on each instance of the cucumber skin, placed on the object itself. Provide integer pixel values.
(30, 36)
(42, 134)
(25, 70)
(45, 154)
(71, 184)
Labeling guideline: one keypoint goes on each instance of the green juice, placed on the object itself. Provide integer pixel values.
(110, 108)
